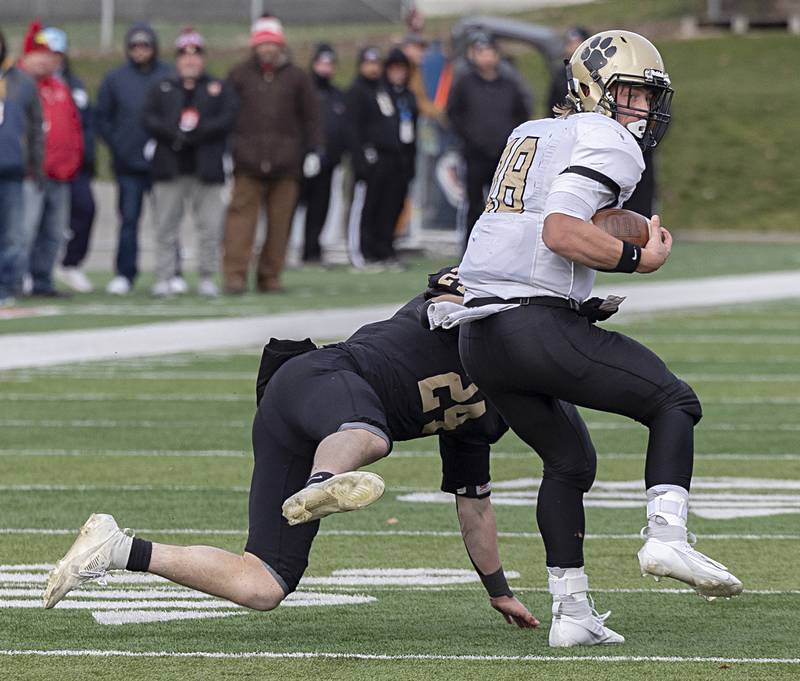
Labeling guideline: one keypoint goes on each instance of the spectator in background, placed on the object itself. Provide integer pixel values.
(118, 115)
(82, 207)
(21, 153)
(377, 161)
(414, 47)
(558, 78)
(46, 213)
(316, 191)
(397, 72)
(484, 106)
(189, 116)
(277, 138)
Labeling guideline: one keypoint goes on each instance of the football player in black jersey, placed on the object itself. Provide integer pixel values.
(322, 414)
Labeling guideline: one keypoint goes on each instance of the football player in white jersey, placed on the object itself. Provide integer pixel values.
(529, 267)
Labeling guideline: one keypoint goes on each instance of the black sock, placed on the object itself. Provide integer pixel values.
(322, 476)
(139, 559)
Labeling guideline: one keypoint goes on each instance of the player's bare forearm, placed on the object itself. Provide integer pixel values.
(479, 530)
(581, 241)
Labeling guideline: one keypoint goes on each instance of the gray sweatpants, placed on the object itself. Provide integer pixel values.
(207, 207)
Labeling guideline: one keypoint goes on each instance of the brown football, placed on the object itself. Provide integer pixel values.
(623, 224)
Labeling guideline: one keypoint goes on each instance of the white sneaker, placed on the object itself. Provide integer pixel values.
(566, 631)
(73, 278)
(119, 286)
(675, 557)
(344, 492)
(99, 543)
(207, 288)
(161, 289)
(178, 286)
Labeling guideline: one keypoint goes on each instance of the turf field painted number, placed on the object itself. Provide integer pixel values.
(508, 185)
(455, 415)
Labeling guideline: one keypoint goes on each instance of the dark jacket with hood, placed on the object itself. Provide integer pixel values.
(278, 121)
(119, 107)
(205, 146)
(21, 133)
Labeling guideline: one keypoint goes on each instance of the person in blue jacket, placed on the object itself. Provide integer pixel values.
(21, 155)
(118, 117)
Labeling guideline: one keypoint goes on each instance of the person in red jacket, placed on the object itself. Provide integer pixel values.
(46, 203)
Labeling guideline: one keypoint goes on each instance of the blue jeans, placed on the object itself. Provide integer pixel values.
(46, 223)
(131, 189)
(12, 237)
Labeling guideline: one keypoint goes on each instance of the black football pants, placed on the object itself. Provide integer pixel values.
(534, 363)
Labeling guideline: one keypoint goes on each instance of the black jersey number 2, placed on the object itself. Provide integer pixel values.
(455, 415)
(508, 184)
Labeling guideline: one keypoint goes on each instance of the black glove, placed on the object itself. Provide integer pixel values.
(591, 310)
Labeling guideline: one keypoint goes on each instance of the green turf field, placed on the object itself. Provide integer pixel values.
(163, 443)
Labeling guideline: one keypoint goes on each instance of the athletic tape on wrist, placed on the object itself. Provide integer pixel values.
(629, 261)
(496, 584)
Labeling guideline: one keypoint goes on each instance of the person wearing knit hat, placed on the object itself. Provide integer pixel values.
(119, 122)
(316, 190)
(277, 140)
(21, 154)
(46, 204)
(189, 116)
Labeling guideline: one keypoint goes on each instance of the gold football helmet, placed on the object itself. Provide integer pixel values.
(621, 57)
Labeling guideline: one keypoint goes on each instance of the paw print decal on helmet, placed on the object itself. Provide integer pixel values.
(597, 54)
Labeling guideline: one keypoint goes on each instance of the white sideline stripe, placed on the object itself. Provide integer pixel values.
(59, 347)
(204, 453)
(110, 423)
(166, 594)
(384, 657)
(211, 532)
(224, 453)
(119, 488)
(114, 617)
(117, 397)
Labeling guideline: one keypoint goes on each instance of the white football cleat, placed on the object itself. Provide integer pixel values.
(119, 286)
(566, 631)
(343, 492)
(90, 557)
(207, 288)
(667, 557)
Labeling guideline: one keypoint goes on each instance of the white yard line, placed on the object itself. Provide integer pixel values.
(59, 347)
(410, 657)
(212, 532)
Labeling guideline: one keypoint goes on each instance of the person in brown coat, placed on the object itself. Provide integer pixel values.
(276, 140)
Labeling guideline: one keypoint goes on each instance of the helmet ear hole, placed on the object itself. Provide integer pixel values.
(585, 89)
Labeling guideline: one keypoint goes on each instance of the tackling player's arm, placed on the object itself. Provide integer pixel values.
(465, 474)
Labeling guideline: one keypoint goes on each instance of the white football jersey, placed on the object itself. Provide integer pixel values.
(575, 165)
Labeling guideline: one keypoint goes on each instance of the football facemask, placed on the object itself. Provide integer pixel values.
(614, 58)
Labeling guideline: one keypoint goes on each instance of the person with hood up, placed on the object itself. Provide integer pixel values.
(21, 153)
(46, 214)
(277, 139)
(118, 116)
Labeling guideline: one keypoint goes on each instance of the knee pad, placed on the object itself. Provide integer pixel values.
(579, 477)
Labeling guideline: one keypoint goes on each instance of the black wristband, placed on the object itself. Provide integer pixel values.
(496, 584)
(629, 261)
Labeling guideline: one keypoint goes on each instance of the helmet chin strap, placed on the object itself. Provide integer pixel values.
(637, 128)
